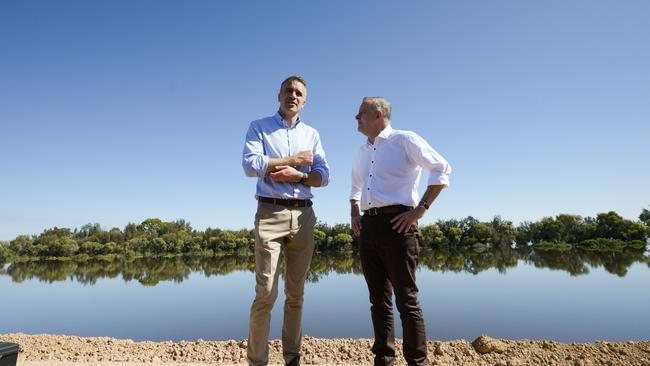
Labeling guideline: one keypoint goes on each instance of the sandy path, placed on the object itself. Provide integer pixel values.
(56, 350)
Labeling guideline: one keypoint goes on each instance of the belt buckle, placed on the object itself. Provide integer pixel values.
(372, 211)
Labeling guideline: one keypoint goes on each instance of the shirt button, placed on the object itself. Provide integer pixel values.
(372, 162)
(368, 188)
(371, 175)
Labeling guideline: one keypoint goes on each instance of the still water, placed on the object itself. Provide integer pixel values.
(568, 297)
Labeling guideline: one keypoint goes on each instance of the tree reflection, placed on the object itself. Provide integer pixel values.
(474, 260)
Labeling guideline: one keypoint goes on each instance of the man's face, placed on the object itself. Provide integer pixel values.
(292, 98)
(368, 120)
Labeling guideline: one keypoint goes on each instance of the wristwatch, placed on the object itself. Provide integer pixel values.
(424, 204)
(302, 180)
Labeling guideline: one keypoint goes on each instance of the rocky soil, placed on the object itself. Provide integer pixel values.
(64, 350)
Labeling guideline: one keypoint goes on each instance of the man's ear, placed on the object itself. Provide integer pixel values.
(379, 115)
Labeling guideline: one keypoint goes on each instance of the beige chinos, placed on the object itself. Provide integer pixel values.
(288, 230)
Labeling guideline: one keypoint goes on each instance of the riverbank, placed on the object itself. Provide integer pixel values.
(58, 350)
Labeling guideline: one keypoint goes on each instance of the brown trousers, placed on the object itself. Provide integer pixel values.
(389, 261)
(290, 231)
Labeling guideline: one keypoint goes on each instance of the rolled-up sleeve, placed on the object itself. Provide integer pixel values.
(254, 162)
(429, 159)
(357, 180)
(320, 162)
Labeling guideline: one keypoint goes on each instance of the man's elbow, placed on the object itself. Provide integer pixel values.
(254, 166)
(249, 170)
(323, 179)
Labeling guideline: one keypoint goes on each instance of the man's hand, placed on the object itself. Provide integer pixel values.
(356, 225)
(405, 220)
(303, 158)
(286, 174)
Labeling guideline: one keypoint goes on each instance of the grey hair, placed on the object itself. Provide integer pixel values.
(380, 104)
(291, 78)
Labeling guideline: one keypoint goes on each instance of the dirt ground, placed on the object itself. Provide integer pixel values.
(58, 350)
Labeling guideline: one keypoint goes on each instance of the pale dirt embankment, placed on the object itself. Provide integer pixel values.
(57, 350)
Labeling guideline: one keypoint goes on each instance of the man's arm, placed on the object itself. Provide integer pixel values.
(256, 164)
(289, 174)
(425, 156)
(303, 158)
(405, 220)
(355, 196)
(355, 217)
(317, 177)
(254, 161)
(320, 168)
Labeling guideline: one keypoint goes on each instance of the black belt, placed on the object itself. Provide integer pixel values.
(285, 202)
(386, 210)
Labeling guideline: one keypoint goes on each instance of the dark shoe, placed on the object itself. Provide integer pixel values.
(294, 362)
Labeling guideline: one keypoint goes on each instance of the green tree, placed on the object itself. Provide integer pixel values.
(194, 245)
(645, 217)
(610, 225)
(92, 248)
(432, 236)
(5, 253)
(55, 242)
(452, 230)
(342, 241)
(524, 234)
(152, 227)
(131, 231)
(503, 232)
(570, 227)
(634, 231)
(157, 246)
(87, 230)
(320, 239)
(22, 245)
(63, 247)
(139, 244)
(475, 232)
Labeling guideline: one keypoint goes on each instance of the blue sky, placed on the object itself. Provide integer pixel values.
(117, 111)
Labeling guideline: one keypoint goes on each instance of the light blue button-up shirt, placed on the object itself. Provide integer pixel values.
(272, 137)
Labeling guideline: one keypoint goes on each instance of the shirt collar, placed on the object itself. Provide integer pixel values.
(279, 120)
(384, 134)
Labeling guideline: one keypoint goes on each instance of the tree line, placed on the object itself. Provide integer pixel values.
(155, 238)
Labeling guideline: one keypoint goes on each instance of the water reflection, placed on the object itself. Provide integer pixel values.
(151, 271)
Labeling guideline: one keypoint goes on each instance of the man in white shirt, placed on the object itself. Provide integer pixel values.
(385, 176)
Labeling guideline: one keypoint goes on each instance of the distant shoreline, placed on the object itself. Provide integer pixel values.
(155, 238)
(59, 350)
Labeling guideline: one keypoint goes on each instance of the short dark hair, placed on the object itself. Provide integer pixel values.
(291, 78)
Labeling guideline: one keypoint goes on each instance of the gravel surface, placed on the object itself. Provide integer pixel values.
(58, 350)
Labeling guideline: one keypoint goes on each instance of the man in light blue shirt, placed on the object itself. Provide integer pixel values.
(288, 159)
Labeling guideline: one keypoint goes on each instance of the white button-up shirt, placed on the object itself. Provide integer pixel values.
(387, 172)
